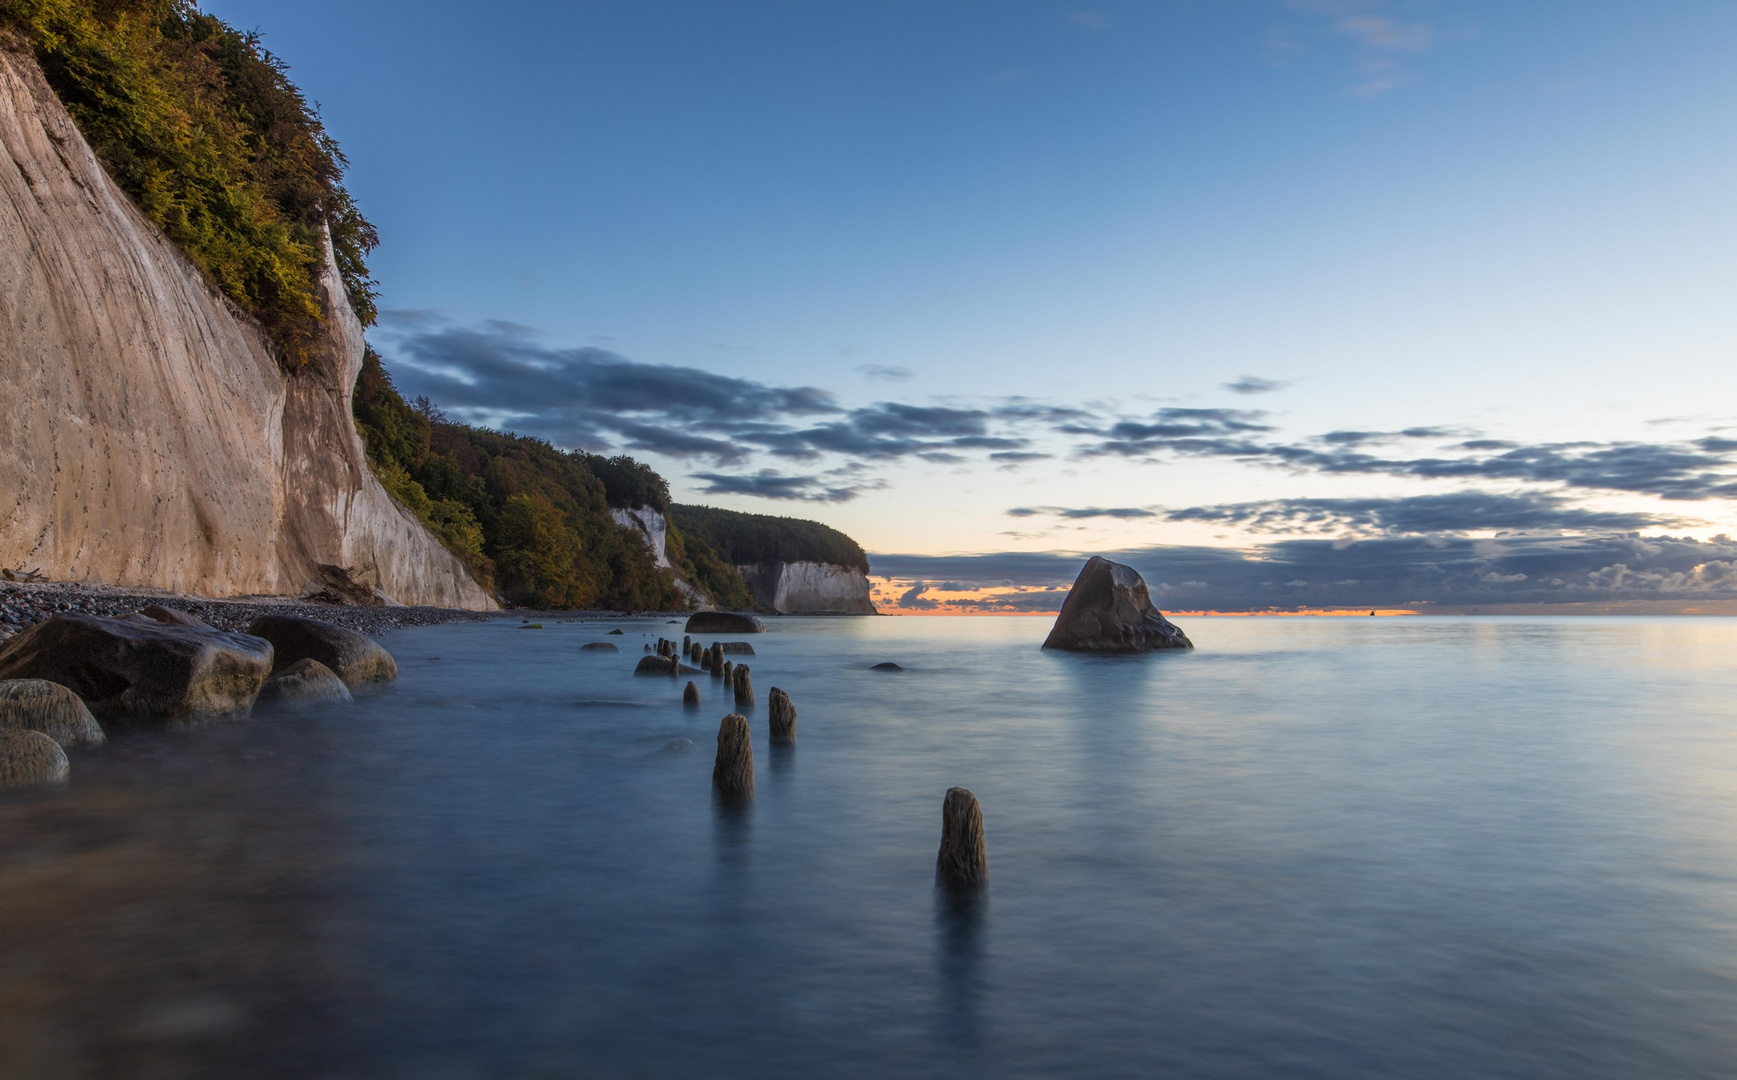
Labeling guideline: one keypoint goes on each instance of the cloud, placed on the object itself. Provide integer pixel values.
(1444, 514)
(1381, 32)
(1251, 384)
(1083, 512)
(767, 484)
(914, 599)
(884, 372)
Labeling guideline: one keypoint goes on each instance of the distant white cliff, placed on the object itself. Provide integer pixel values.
(808, 588)
(148, 436)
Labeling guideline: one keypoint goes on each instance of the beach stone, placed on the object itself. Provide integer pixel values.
(691, 695)
(886, 665)
(724, 622)
(781, 717)
(733, 770)
(355, 658)
(1109, 610)
(962, 866)
(744, 688)
(305, 682)
(140, 669)
(600, 646)
(30, 757)
(617, 630)
(48, 707)
(739, 648)
(172, 616)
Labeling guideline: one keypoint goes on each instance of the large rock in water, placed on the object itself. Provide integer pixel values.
(1109, 610)
(40, 705)
(140, 669)
(355, 658)
(723, 622)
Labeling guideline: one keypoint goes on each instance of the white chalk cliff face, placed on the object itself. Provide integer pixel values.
(808, 588)
(148, 437)
(650, 526)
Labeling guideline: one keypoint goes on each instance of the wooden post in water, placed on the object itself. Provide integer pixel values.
(691, 696)
(717, 660)
(744, 687)
(729, 674)
(687, 643)
(782, 716)
(962, 866)
(733, 770)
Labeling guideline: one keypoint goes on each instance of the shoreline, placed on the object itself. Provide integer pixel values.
(24, 604)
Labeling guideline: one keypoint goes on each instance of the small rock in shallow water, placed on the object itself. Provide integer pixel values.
(48, 707)
(782, 716)
(600, 646)
(657, 665)
(355, 658)
(962, 865)
(30, 757)
(733, 769)
(680, 746)
(886, 665)
(305, 682)
(532, 626)
(617, 630)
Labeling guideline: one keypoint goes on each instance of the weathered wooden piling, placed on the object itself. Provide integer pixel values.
(744, 686)
(717, 657)
(782, 717)
(705, 656)
(733, 770)
(687, 643)
(729, 675)
(962, 866)
(691, 696)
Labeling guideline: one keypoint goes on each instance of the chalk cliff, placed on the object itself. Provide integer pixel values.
(148, 436)
(808, 588)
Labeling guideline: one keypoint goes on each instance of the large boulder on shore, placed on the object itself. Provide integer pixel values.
(723, 622)
(355, 658)
(1109, 610)
(40, 705)
(137, 668)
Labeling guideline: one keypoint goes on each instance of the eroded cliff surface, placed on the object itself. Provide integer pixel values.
(148, 437)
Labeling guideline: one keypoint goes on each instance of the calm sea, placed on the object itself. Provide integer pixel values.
(1407, 847)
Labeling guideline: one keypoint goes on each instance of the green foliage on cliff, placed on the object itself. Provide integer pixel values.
(203, 128)
(760, 538)
(529, 520)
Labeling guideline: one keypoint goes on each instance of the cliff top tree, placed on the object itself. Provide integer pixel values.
(203, 128)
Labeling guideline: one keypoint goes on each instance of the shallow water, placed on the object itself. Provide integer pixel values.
(1312, 847)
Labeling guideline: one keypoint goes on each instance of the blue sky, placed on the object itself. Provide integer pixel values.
(855, 241)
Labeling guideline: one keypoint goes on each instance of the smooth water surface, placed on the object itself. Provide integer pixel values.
(1310, 848)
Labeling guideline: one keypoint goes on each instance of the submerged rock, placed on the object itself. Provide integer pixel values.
(355, 658)
(600, 646)
(886, 665)
(305, 682)
(657, 665)
(1109, 610)
(781, 717)
(30, 757)
(962, 865)
(736, 648)
(679, 746)
(691, 695)
(724, 622)
(733, 770)
(141, 669)
(40, 705)
(617, 630)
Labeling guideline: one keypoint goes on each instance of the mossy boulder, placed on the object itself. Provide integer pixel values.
(40, 705)
(30, 757)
